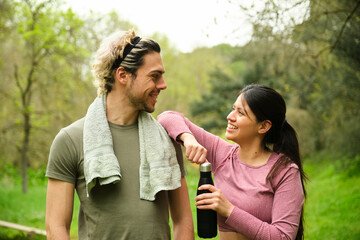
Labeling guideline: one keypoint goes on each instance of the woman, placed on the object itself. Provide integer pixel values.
(259, 181)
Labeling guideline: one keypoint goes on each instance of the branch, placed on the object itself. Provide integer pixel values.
(344, 25)
(17, 81)
(329, 12)
(332, 47)
(29, 230)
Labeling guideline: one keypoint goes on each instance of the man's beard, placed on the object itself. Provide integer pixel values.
(138, 102)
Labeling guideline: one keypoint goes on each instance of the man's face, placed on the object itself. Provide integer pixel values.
(145, 88)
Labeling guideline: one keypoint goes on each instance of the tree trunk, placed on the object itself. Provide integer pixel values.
(24, 151)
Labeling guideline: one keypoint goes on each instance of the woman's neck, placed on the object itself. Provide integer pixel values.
(253, 154)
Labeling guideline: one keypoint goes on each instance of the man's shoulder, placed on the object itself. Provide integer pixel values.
(73, 132)
(75, 127)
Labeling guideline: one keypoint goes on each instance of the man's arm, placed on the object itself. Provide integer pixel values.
(183, 226)
(59, 209)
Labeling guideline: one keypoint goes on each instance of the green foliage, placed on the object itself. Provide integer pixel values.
(47, 83)
(187, 77)
(216, 105)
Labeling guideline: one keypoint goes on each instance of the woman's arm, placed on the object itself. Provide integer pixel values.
(195, 152)
(180, 129)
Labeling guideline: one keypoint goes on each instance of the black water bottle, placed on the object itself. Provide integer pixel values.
(206, 218)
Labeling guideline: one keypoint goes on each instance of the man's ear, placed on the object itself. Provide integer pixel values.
(264, 126)
(121, 75)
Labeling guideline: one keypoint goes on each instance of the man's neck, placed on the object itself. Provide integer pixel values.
(119, 110)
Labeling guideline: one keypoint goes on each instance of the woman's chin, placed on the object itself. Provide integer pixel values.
(228, 136)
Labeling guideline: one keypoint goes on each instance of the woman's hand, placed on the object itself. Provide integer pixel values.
(195, 152)
(215, 201)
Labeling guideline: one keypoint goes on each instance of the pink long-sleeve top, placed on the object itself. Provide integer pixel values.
(262, 209)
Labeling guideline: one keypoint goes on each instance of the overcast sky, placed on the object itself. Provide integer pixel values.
(187, 23)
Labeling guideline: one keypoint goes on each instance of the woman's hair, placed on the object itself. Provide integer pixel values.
(267, 104)
(111, 53)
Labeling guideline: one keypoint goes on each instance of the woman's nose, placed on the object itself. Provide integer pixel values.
(230, 117)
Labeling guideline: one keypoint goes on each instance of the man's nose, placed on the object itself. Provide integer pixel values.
(161, 84)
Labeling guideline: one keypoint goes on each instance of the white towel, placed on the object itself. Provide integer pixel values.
(159, 169)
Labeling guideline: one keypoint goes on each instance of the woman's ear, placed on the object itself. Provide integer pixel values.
(121, 75)
(264, 126)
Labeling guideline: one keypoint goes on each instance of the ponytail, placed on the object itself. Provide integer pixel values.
(289, 146)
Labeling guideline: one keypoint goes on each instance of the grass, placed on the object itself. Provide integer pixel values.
(332, 207)
(333, 204)
(16, 207)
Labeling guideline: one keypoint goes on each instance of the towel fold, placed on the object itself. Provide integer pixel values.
(159, 169)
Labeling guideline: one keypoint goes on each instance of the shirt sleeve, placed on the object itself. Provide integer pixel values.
(61, 163)
(180, 158)
(176, 124)
(286, 212)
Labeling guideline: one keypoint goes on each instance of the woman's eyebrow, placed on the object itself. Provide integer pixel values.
(242, 109)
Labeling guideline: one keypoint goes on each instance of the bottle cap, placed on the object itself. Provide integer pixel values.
(205, 167)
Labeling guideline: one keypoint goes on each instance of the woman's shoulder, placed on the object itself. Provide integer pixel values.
(288, 164)
(286, 171)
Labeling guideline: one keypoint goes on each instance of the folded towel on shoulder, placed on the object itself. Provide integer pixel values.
(159, 169)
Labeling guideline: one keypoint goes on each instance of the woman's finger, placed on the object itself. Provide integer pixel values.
(200, 156)
(207, 201)
(209, 187)
(203, 196)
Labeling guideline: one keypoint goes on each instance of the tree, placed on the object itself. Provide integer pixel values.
(211, 110)
(308, 50)
(187, 76)
(44, 36)
(324, 56)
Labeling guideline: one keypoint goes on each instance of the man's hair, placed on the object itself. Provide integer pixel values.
(111, 52)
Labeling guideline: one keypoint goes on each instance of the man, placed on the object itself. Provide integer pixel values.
(124, 204)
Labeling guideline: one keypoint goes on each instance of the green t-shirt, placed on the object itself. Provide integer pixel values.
(113, 211)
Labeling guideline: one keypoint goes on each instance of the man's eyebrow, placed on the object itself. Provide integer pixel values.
(157, 71)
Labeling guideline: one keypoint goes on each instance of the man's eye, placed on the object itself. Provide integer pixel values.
(156, 77)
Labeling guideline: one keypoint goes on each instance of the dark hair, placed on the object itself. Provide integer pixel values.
(135, 59)
(268, 104)
(124, 49)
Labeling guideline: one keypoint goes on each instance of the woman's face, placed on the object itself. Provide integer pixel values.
(242, 124)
